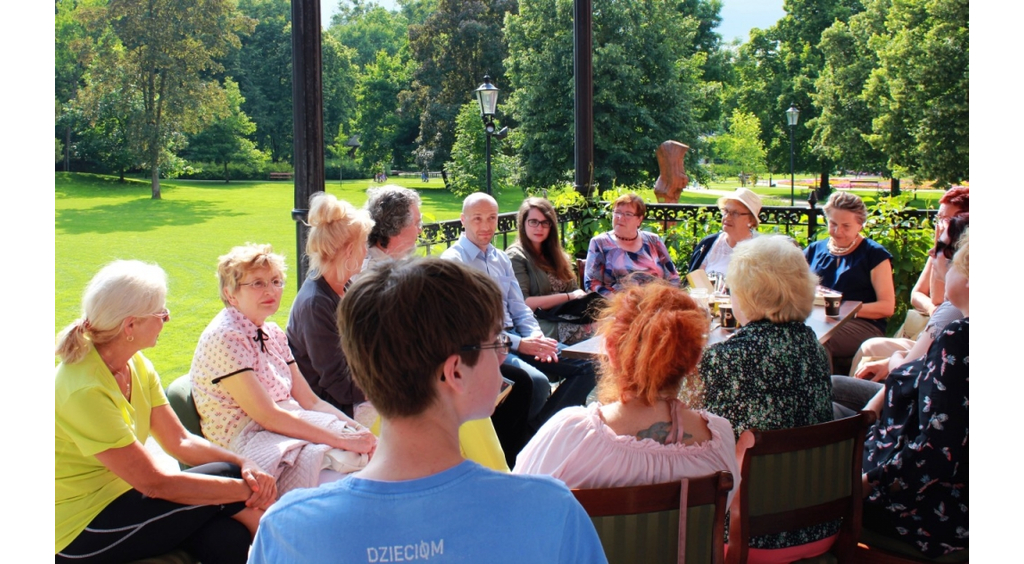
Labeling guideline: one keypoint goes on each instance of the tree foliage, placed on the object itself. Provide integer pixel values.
(645, 87)
(225, 140)
(467, 169)
(741, 147)
(460, 42)
(169, 51)
(368, 28)
(386, 131)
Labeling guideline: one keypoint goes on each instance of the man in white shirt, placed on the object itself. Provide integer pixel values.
(534, 353)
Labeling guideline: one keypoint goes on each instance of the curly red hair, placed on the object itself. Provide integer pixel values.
(654, 335)
(959, 197)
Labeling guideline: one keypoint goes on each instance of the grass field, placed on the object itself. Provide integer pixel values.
(98, 219)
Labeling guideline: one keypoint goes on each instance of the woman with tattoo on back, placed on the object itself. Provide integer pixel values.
(640, 432)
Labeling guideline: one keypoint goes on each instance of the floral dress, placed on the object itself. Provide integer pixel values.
(916, 454)
(771, 376)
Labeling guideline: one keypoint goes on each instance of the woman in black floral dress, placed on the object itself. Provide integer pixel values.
(772, 373)
(916, 455)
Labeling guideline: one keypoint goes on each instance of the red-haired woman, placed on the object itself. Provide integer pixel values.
(640, 433)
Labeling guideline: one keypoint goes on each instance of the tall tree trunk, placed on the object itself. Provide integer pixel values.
(225, 172)
(154, 168)
(67, 148)
(894, 186)
(824, 188)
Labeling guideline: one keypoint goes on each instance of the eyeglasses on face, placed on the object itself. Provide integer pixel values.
(624, 214)
(164, 315)
(263, 284)
(733, 213)
(503, 344)
(546, 223)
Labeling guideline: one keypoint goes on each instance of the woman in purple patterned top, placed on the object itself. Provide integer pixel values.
(626, 251)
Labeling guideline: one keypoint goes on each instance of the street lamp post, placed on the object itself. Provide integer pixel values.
(487, 95)
(792, 115)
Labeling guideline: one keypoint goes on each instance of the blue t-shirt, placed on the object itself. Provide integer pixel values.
(849, 274)
(464, 514)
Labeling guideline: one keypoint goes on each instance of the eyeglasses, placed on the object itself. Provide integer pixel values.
(733, 213)
(624, 214)
(164, 315)
(263, 284)
(539, 223)
(503, 344)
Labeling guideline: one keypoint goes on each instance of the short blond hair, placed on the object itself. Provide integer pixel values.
(769, 279)
(336, 228)
(232, 267)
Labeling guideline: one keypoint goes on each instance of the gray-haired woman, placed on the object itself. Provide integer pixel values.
(113, 502)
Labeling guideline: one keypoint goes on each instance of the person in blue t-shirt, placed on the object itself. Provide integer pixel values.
(423, 338)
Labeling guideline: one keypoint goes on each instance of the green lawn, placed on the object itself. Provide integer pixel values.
(99, 219)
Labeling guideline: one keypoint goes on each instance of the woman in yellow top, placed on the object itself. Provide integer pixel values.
(113, 502)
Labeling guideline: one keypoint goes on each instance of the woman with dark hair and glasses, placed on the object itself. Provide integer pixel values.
(877, 357)
(544, 271)
(249, 392)
(626, 251)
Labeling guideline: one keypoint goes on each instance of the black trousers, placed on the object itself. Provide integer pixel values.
(134, 526)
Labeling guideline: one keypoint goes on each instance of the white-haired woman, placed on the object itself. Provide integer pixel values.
(858, 267)
(336, 248)
(249, 392)
(772, 373)
(113, 502)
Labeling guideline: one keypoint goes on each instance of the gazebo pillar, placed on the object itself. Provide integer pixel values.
(307, 119)
(583, 97)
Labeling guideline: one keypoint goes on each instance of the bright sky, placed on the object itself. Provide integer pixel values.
(738, 16)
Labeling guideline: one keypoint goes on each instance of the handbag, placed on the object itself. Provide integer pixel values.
(580, 311)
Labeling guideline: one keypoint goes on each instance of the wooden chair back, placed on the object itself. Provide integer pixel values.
(641, 523)
(581, 270)
(795, 478)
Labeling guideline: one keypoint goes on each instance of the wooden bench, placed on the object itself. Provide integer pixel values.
(281, 175)
(864, 184)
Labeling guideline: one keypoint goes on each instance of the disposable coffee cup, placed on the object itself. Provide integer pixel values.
(727, 317)
(832, 301)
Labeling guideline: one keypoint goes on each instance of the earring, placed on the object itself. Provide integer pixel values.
(130, 338)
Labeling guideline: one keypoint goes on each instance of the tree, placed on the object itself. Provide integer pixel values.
(338, 85)
(467, 169)
(741, 147)
(920, 90)
(645, 87)
(368, 28)
(460, 42)
(171, 48)
(386, 132)
(263, 69)
(224, 141)
(843, 125)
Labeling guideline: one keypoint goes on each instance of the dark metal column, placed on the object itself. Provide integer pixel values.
(308, 118)
(583, 59)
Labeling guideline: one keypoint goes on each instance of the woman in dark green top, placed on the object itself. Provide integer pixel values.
(772, 373)
(544, 271)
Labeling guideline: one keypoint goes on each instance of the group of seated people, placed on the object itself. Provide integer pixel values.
(418, 350)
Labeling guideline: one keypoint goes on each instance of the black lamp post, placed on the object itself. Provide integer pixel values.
(487, 95)
(792, 115)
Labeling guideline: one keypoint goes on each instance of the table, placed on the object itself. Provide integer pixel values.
(823, 326)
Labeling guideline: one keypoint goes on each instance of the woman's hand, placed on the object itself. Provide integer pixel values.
(362, 442)
(876, 370)
(263, 486)
(540, 347)
(577, 294)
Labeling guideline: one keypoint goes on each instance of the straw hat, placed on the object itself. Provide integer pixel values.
(748, 198)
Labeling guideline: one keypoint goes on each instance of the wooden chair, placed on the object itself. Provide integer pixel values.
(581, 270)
(794, 478)
(641, 523)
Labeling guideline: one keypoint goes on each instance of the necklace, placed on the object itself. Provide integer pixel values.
(840, 251)
(125, 374)
(627, 239)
